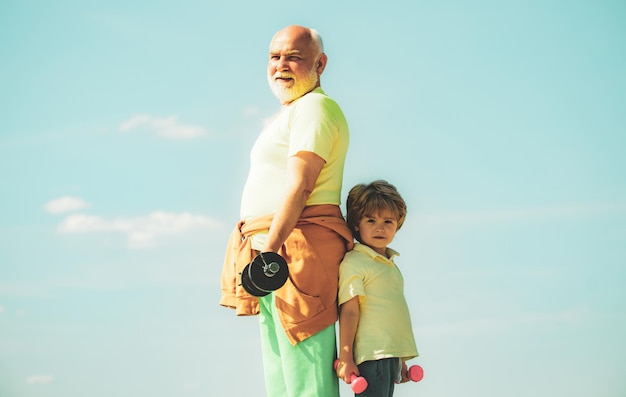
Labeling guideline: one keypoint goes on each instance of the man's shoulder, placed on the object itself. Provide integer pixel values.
(318, 97)
(316, 107)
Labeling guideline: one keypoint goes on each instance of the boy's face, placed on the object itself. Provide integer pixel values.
(378, 230)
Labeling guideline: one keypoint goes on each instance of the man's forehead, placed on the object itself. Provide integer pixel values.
(285, 51)
(290, 44)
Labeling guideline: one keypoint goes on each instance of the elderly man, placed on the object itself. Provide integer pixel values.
(290, 206)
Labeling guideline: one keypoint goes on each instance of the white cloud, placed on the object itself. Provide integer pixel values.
(39, 379)
(141, 232)
(65, 204)
(23, 290)
(135, 122)
(168, 127)
(192, 385)
(251, 111)
(2, 310)
(481, 325)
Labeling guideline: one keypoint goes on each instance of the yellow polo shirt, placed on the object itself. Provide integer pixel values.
(384, 329)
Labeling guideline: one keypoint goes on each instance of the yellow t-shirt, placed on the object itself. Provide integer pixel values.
(313, 123)
(384, 329)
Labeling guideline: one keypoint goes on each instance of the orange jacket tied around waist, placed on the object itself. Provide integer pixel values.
(307, 303)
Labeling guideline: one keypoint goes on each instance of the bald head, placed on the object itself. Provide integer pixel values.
(307, 36)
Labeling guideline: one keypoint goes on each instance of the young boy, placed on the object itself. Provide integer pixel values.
(375, 333)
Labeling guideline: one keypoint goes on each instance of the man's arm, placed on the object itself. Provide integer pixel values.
(302, 172)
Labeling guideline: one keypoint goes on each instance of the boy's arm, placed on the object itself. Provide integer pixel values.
(348, 321)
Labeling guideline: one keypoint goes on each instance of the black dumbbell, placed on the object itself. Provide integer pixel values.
(267, 272)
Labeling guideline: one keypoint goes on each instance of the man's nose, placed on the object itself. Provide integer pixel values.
(282, 64)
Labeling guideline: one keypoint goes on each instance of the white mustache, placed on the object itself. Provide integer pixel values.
(283, 76)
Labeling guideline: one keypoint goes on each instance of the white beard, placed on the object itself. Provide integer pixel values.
(298, 89)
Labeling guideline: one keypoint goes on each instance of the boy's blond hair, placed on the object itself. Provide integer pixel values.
(364, 200)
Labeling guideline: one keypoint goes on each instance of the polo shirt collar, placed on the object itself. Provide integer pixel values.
(369, 251)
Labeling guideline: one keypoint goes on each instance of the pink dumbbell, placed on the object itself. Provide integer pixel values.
(416, 373)
(357, 383)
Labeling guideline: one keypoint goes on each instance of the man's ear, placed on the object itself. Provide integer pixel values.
(321, 63)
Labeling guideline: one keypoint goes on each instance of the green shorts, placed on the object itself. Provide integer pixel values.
(303, 370)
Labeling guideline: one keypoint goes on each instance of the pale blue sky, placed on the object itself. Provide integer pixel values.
(125, 128)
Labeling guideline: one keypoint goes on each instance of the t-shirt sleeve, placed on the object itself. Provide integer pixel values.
(350, 283)
(313, 126)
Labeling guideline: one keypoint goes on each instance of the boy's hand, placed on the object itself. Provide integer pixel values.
(405, 373)
(346, 368)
